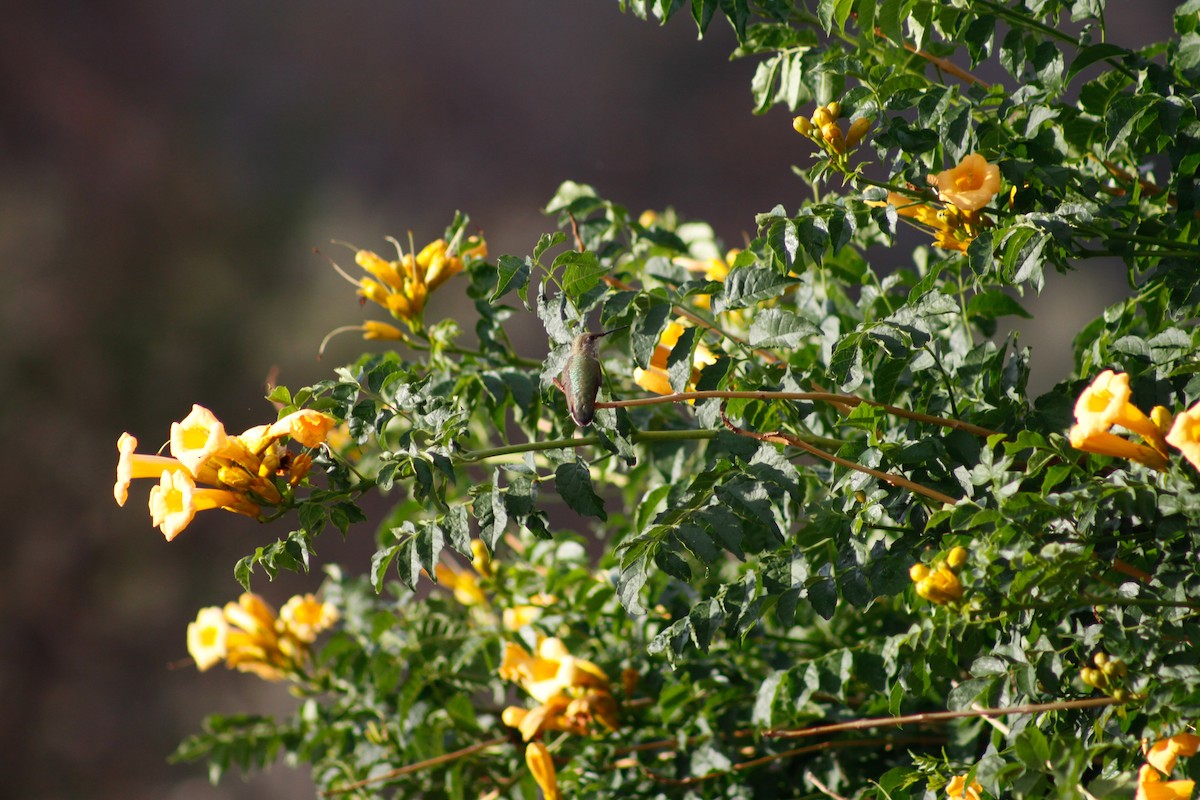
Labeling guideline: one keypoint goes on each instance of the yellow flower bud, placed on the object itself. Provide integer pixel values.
(803, 125)
(858, 129)
(373, 329)
(834, 109)
(832, 133)
(1162, 418)
(940, 586)
(956, 558)
(821, 118)
(918, 572)
(541, 766)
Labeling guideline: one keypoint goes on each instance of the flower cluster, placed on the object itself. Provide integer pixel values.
(970, 185)
(403, 286)
(250, 637)
(574, 694)
(655, 379)
(1105, 403)
(963, 190)
(959, 789)
(1160, 761)
(244, 472)
(824, 130)
(1107, 676)
(940, 584)
(467, 589)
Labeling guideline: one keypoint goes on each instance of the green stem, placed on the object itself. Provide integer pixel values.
(904, 190)
(1025, 21)
(1137, 238)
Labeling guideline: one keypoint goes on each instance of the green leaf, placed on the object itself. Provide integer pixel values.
(1032, 749)
(380, 563)
(702, 14)
(458, 529)
(581, 272)
(822, 593)
(764, 700)
(574, 485)
(644, 335)
(1091, 54)
(778, 327)
(995, 303)
(889, 18)
(749, 286)
(841, 12)
(679, 362)
(633, 575)
(698, 542)
(511, 273)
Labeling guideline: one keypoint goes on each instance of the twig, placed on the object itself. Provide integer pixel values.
(418, 766)
(825, 790)
(821, 397)
(938, 716)
(812, 748)
(889, 477)
(944, 65)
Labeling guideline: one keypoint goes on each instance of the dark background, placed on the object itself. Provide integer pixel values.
(166, 169)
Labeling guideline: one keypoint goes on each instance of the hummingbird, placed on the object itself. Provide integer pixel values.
(581, 376)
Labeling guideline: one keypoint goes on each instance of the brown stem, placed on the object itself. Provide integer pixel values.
(822, 397)
(938, 716)
(946, 66)
(812, 748)
(899, 481)
(420, 765)
(822, 788)
(1126, 568)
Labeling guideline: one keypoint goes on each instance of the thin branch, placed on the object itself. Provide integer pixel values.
(899, 481)
(825, 790)
(945, 65)
(418, 766)
(938, 716)
(812, 748)
(821, 397)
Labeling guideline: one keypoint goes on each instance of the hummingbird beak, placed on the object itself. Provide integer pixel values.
(611, 330)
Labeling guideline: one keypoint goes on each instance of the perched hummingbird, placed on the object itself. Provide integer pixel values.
(581, 377)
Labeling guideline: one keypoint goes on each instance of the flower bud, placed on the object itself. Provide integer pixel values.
(821, 118)
(834, 109)
(832, 133)
(918, 572)
(803, 125)
(1162, 418)
(858, 129)
(541, 765)
(956, 558)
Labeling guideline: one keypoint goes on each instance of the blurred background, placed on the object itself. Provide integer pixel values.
(166, 169)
